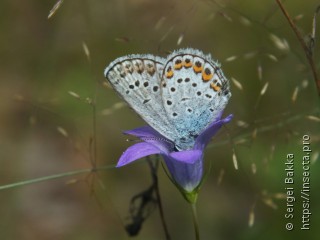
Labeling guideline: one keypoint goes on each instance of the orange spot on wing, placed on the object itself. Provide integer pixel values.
(169, 74)
(206, 77)
(178, 66)
(215, 87)
(197, 69)
(187, 64)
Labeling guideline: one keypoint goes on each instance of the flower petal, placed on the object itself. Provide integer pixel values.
(137, 151)
(144, 131)
(204, 138)
(149, 135)
(187, 175)
(189, 156)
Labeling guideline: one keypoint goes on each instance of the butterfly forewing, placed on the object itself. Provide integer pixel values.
(137, 78)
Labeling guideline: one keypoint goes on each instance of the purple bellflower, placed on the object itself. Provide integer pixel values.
(185, 167)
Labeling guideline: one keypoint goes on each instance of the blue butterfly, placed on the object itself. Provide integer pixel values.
(178, 96)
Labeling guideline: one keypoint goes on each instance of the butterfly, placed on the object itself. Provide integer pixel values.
(178, 96)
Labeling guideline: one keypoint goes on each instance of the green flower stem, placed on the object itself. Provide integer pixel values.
(195, 221)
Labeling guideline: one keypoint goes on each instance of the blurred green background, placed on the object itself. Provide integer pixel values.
(44, 130)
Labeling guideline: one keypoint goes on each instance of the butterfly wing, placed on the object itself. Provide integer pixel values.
(137, 78)
(194, 94)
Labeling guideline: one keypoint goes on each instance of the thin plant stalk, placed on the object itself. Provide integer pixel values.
(154, 168)
(55, 176)
(303, 45)
(195, 221)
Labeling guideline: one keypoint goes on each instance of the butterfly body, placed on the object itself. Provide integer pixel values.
(179, 96)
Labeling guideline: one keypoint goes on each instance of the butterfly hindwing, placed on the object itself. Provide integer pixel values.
(194, 93)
